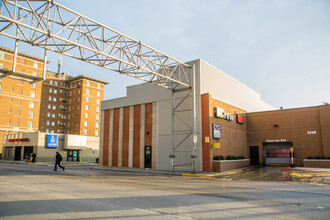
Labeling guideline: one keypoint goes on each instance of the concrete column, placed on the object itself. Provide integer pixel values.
(101, 138)
(154, 136)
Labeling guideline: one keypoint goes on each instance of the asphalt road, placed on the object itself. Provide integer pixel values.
(81, 192)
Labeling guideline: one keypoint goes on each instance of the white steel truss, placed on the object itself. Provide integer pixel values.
(51, 26)
(54, 27)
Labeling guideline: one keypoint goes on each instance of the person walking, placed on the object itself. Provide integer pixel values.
(33, 157)
(58, 159)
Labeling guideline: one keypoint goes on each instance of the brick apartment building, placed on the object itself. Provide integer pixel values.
(60, 104)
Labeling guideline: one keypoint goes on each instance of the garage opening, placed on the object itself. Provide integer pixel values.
(277, 153)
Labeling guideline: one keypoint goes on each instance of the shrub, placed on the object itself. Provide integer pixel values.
(323, 158)
(220, 157)
(309, 157)
(317, 157)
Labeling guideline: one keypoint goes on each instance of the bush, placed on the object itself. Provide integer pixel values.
(323, 158)
(317, 157)
(220, 157)
(309, 157)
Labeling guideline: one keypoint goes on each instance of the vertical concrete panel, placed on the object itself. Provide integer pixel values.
(205, 133)
(101, 146)
(120, 138)
(115, 137)
(130, 144)
(142, 141)
(137, 136)
(126, 128)
(154, 136)
(111, 137)
(106, 138)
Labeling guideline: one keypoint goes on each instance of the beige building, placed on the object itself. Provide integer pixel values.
(61, 104)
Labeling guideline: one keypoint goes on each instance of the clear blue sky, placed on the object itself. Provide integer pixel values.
(279, 48)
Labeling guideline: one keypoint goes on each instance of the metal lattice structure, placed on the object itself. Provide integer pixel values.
(54, 27)
(51, 26)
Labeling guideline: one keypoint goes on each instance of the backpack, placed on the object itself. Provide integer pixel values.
(60, 157)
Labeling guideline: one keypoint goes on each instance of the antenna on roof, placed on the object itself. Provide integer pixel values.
(59, 65)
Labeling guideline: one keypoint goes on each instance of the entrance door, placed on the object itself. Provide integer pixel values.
(18, 153)
(278, 153)
(147, 157)
(254, 156)
(73, 156)
(8, 153)
(27, 152)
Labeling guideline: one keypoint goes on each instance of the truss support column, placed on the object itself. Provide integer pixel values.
(193, 153)
(172, 155)
(16, 41)
(45, 65)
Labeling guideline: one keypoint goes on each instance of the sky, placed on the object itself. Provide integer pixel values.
(279, 48)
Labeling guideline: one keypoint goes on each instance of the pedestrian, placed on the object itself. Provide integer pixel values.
(58, 159)
(33, 157)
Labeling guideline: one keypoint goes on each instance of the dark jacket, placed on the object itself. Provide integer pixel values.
(58, 158)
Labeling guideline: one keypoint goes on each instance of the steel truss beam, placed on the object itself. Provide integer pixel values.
(49, 25)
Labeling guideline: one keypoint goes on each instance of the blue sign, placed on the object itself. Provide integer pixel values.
(51, 141)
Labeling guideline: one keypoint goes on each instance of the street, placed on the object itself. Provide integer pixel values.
(89, 192)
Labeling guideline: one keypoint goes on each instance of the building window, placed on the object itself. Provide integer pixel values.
(87, 91)
(2, 55)
(1, 65)
(96, 133)
(78, 107)
(98, 94)
(17, 112)
(85, 123)
(18, 102)
(31, 104)
(87, 99)
(86, 107)
(88, 83)
(10, 110)
(97, 117)
(47, 122)
(96, 124)
(97, 109)
(34, 73)
(98, 101)
(99, 86)
(55, 91)
(54, 107)
(52, 131)
(49, 106)
(53, 115)
(33, 94)
(86, 115)
(49, 98)
(54, 99)
(34, 85)
(30, 124)
(30, 114)
(51, 82)
(50, 90)
(85, 131)
(48, 114)
(55, 83)
(52, 123)
(35, 64)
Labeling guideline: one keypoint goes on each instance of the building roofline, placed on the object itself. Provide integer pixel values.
(89, 78)
(23, 54)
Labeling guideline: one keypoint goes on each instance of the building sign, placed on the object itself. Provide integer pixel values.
(220, 113)
(207, 139)
(51, 141)
(275, 140)
(239, 119)
(19, 140)
(216, 145)
(216, 131)
(311, 132)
